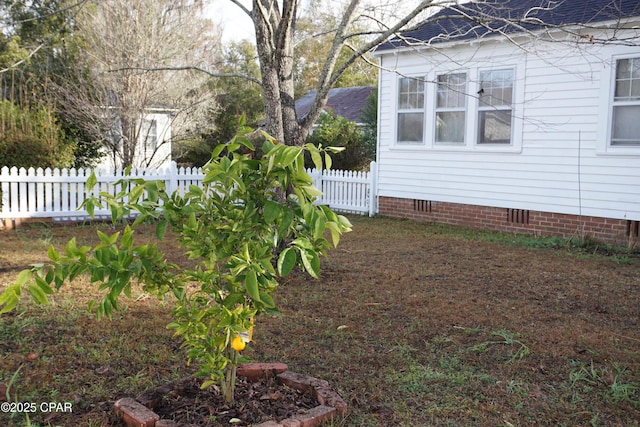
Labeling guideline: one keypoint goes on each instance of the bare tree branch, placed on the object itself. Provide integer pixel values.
(35, 50)
(186, 68)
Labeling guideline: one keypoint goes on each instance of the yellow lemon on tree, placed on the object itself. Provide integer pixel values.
(238, 343)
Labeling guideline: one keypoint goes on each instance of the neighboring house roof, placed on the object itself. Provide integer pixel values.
(474, 19)
(348, 102)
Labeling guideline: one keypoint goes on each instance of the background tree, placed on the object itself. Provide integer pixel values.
(275, 28)
(234, 97)
(137, 55)
(36, 44)
(369, 130)
(313, 39)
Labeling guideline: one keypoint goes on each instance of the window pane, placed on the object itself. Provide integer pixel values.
(450, 127)
(626, 125)
(635, 68)
(150, 133)
(496, 88)
(494, 127)
(410, 94)
(410, 127)
(623, 88)
(622, 69)
(627, 80)
(635, 89)
(416, 100)
(451, 90)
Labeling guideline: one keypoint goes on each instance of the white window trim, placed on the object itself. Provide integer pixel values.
(607, 91)
(398, 111)
(517, 111)
(433, 97)
(471, 116)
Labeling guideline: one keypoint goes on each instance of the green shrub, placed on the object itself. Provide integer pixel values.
(32, 137)
(336, 131)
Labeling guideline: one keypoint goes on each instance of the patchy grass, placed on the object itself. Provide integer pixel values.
(413, 324)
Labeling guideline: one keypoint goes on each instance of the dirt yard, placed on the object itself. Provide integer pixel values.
(413, 324)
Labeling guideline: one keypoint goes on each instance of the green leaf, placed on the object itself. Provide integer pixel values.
(311, 262)
(89, 206)
(71, 249)
(127, 238)
(319, 227)
(92, 180)
(271, 211)
(247, 143)
(251, 283)
(23, 277)
(287, 261)
(345, 223)
(136, 193)
(336, 149)
(267, 300)
(192, 223)
(153, 191)
(232, 300)
(115, 212)
(9, 298)
(104, 238)
(44, 285)
(161, 229)
(289, 155)
(311, 191)
(53, 254)
(217, 150)
(267, 146)
(285, 221)
(302, 243)
(233, 146)
(317, 159)
(335, 232)
(328, 161)
(38, 295)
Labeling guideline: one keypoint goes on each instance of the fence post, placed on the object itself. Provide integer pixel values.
(373, 187)
(4, 193)
(316, 176)
(173, 178)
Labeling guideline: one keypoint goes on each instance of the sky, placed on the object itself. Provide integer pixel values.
(237, 25)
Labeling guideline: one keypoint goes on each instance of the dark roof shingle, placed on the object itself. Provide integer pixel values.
(348, 102)
(478, 19)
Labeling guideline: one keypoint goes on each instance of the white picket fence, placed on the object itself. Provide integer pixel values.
(59, 193)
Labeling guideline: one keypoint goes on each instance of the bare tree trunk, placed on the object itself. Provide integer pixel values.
(274, 23)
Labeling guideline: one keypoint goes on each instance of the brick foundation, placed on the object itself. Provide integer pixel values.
(608, 230)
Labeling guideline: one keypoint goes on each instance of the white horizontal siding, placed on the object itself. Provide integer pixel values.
(559, 167)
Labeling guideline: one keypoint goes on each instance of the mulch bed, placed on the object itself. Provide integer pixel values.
(255, 402)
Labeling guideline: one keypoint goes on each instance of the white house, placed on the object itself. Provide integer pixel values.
(529, 127)
(153, 148)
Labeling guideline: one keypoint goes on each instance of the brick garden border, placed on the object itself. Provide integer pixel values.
(139, 412)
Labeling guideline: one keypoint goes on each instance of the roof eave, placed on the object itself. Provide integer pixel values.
(628, 23)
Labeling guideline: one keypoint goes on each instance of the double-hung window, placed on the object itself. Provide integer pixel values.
(626, 103)
(450, 108)
(495, 107)
(410, 123)
(150, 134)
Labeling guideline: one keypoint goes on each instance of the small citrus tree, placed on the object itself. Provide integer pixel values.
(251, 222)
